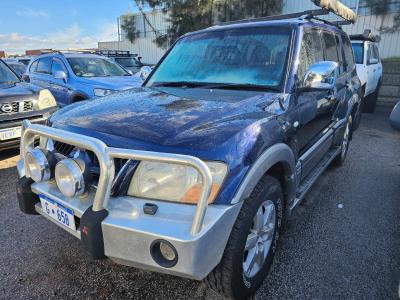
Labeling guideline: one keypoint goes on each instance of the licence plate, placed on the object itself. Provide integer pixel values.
(58, 212)
(10, 133)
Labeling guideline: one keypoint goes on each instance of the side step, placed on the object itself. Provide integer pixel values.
(307, 182)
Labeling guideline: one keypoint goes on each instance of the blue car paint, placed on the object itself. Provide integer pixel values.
(75, 87)
(236, 129)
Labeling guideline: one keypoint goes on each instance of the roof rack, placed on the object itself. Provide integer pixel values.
(308, 14)
(116, 53)
(367, 35)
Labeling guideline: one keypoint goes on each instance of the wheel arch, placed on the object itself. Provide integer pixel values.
(77, 96)
(277, 161)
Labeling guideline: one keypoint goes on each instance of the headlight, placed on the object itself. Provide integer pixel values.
(102, 92)
(46, 100)
(38, 165)
(70, 177)
(171, 182)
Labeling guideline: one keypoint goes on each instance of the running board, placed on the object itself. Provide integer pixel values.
(307, 183)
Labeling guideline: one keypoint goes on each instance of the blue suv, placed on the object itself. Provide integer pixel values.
(73, 77)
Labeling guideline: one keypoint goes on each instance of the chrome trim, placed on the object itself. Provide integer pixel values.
(105, 157)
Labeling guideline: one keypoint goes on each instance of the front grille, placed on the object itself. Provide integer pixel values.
(15, 107)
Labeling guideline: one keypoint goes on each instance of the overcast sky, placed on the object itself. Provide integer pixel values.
(33, 24)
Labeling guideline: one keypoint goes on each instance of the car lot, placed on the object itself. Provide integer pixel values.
(343, 241)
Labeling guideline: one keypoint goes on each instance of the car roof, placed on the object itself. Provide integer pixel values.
(70, 55)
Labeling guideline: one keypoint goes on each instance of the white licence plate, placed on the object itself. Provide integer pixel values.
(10, 133)
(58, 212)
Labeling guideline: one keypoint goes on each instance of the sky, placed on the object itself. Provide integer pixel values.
(57, 24)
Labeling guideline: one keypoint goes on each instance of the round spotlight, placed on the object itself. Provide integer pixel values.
(70, 178)
(164, 253)
(38, 166)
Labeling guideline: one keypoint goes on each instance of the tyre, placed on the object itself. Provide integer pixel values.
(370, 100)
(341, 157)
(252, 244)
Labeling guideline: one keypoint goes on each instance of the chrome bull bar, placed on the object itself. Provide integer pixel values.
(106, 157)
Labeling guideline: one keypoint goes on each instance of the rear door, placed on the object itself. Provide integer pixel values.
(372, 69)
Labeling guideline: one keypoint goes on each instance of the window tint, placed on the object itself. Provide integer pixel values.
(44, 65)
(339, 50)
(33, 66)
(376, 52)
(348, 54)
(57, 66)
(330, 47)
(311, 52)
(372, 53)
(358, 49)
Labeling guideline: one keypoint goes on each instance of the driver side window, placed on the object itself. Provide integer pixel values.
(311, 52)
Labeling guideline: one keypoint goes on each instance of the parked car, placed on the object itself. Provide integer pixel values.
(17, 66)
(195, 173)
(369, 67)
(24, 59)
(74, 77)
(18, 101)
(130, 62)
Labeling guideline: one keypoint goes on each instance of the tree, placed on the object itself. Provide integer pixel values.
(382, 8)
(128, 25)
(191, 15)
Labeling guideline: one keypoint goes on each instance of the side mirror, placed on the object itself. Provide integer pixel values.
(60, 75)
(321, 76)
(145, 72)
(373, 61)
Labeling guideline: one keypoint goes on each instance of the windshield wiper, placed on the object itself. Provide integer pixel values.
(188, 84)
(240, 86)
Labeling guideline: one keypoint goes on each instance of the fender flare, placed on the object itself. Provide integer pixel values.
(278, 153)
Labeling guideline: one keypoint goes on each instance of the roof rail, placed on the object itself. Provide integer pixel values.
(367, 35)
(308, 14)
(116, 53)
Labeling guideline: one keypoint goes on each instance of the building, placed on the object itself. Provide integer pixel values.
(2, 54)
(148, 26)
(384, 24)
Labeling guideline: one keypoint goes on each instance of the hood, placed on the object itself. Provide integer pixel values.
(148, 119)
(17, 91)
(113, 82)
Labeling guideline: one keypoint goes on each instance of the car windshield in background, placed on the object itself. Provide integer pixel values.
(249, 57)
(6, 75)
(95, 67)
(128, 62)
(358, 49)
(18, 68)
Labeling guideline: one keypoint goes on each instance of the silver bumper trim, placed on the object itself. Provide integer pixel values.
(105, 157)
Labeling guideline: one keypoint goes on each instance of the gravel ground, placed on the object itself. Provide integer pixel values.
(342, 242)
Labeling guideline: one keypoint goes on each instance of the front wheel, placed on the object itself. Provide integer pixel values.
(339, 160)
(252, 243)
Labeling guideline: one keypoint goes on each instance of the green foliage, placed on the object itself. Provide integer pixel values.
(191, 15)
(128, 25)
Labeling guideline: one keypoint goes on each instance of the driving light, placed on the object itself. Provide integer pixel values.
(70, 177)
(46, 100)
(38, 165)
(102, 92)
(172, 182)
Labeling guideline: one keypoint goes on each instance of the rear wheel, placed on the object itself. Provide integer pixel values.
(252, 243)
(371, 99)
(339, 160)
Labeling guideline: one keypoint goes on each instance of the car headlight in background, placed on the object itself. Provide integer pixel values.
(70, 177)
(46, 100)
(39, 164)
(172, 182)
(102, 92)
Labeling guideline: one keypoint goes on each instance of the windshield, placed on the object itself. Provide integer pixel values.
(18, 68)
(95, 67)
(6, 75)
(128, 62)
(247, 57)
(358, 49)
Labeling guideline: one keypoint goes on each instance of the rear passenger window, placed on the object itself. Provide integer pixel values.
(44, 65)
(311, 52)
(348, 54)
(57, 66)
(33, 66)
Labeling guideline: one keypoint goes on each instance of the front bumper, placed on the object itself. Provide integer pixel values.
(118, 228)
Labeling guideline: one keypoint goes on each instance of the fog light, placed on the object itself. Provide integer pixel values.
(38, 165)
(164, 253)
(70, 178)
